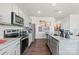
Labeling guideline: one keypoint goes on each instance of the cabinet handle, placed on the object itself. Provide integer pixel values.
(3, 53)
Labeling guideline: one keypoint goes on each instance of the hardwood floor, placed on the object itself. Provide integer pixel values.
(39, 47)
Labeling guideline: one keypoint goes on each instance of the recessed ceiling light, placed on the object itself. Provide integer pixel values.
(59, 12)
(38, 11)
(54, 4)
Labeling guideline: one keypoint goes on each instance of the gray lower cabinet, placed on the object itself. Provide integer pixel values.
(62, 46)
(53, 44)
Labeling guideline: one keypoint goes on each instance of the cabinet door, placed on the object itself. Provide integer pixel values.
(4, 52)
(14, 48)
(17, 48)
(7, 51)
(11, 49)
(50, 43)
(48, 40)
(55, 46)
(21, 14)
(15, 9)
(5, 13)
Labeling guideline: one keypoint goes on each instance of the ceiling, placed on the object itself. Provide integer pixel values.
(47, 10)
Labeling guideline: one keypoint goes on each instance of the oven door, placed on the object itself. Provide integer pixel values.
(24, 44)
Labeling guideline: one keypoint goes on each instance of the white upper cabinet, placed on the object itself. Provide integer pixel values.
(26, 21)
(15, 9)
(20, 12)
(5, 13)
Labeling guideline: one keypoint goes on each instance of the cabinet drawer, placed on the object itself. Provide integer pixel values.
(4, 51)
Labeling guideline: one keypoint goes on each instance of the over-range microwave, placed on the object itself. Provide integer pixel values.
(16, 20)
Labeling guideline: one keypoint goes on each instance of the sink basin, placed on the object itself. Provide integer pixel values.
(2, 41)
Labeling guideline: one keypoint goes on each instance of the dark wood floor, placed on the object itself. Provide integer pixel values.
(39, 47)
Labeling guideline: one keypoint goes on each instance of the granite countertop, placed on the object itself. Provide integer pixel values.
(8, 42)
(72, 37)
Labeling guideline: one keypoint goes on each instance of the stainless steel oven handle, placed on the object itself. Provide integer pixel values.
(24, 38)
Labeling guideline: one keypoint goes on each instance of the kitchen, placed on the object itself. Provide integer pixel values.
(23, 25)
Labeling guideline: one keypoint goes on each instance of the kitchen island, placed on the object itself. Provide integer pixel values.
(63, 46)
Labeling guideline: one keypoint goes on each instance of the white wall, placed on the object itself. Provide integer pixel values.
(71, 23)
(5, 13)
(66, 23)
(74, 23)
(35, 20)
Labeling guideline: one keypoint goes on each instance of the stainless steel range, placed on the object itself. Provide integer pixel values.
(11, 33)
(18, 33)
